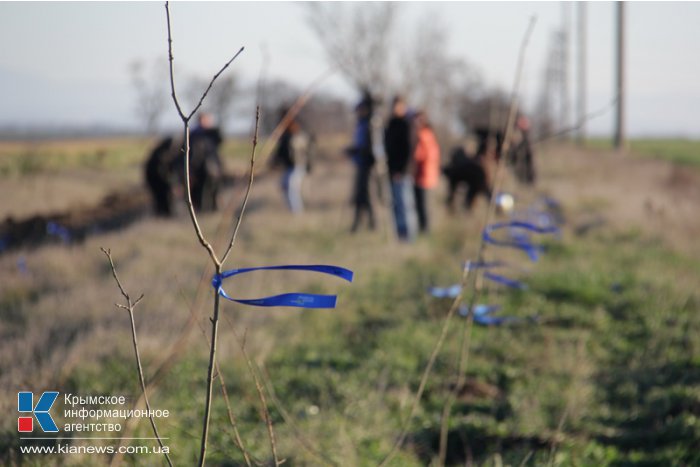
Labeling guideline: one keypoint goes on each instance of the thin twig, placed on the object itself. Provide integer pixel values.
(276, 133)
(306, 444)
(202, 240)
(267, 382)
(186, 122)
(263, 402)
(211, 83)
(586, 118)
(186, 137)
(248, 188)
(176, 350)
(474, 291)
(170, 63)
(294, 111)
(526, 458)
(466, 275)
(190, 206)
(130, 308)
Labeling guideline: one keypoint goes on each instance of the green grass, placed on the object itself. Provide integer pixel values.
(680, 151)
(21, 159)
(614, 362)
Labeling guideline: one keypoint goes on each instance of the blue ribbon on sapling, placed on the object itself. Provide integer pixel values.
(483, 315)
(498, 278)
(294, 299)
(453, 290)
(519, 237)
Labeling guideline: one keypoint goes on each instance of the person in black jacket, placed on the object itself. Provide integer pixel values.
(397, 145)
(159, 173)
(206, 168)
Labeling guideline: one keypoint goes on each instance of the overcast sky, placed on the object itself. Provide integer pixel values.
(68, 63)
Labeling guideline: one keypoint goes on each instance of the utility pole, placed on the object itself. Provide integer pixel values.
(564, 64)
(581, 104)
(620, 79)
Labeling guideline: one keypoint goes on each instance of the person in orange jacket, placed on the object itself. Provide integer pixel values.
(426, 158)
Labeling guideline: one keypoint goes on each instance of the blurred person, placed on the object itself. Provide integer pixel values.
(159, 172)
(292, 154)
(465, 168)
(520, 155)
(363, 157)
(397, 145)
(426, 157)
(206, 168)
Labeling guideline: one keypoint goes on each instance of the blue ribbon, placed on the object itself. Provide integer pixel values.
(538, 221)
(519, 240)
(499, 279)
(445, 292)
(53, 228)
(301, 300)
(483, 315)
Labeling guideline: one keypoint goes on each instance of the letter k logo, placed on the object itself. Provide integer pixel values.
(25, 403)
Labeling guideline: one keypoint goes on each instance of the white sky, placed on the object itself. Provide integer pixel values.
(68, 63)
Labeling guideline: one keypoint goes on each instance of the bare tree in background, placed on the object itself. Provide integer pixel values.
(357, 39)
(151, 94)
(434, 80)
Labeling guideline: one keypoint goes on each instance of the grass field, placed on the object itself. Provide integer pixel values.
(681, 151)
(608, 375)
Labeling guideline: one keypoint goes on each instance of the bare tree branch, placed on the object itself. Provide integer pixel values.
(248, 188)
(211, 83)
(218, 264)
(357, 42)
(263, 403)
(130, 308)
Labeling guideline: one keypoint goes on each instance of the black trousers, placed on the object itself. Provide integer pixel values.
(421, 195)
(361, 197)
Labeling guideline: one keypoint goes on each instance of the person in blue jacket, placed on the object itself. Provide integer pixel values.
(362, 155)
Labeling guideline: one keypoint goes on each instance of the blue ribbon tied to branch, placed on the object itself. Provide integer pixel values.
(293, 299)
(519, 237)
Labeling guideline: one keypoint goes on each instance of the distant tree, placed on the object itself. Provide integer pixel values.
(151, 93)
(357, 39)
(486, 109)
(434, 80)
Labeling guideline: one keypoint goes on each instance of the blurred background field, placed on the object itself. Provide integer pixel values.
(610, 375)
